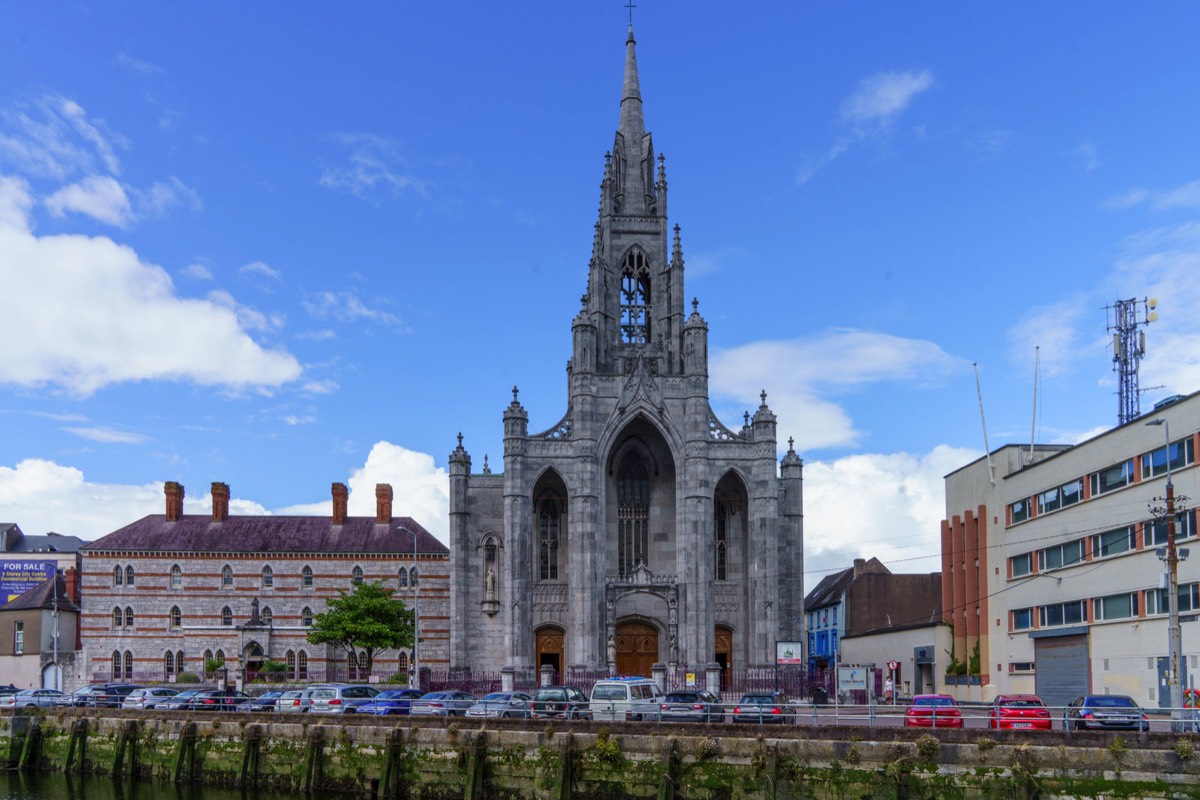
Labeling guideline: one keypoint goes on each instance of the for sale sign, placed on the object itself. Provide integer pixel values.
(18, 577)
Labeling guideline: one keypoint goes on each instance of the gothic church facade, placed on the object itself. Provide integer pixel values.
(638, 528)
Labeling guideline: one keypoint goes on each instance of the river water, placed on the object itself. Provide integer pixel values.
(55, 786)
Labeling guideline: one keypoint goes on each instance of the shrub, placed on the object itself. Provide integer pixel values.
(187, 677)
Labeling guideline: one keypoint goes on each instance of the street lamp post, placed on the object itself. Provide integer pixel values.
(54, 636)
(1174, 634)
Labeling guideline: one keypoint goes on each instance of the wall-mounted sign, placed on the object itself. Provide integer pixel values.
(18, 577)
(789, 653)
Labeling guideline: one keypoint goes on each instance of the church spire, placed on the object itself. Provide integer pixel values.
(632, 125)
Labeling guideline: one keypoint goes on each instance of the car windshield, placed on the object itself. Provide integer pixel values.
(759, 699)
(496, 697)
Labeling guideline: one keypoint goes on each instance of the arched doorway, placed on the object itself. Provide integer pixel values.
(637, 648)
(549, 648)
(723, 653)
(253, 660)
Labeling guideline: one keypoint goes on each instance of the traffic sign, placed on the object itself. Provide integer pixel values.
(893, 665)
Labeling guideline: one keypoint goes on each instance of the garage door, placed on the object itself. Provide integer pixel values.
(1062, 668)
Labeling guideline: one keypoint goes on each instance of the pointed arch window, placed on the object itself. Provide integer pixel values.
(227, 616)
(267, 615)
(169, 663)
(549, 522)
(118, 617)
(302, 665)
(118, 575)
(635, 299)
(356, 577)
(129, 575)
(179, 661)
(403, 578)
(268, 577)
(290, 660)
(129, 616)
(412, 577)
(306, 617)
(128, 665)
(721, 556)
(403, 666)
(176, 577)
(176, 617)
(227, 577)
(116, 665)
(633, 513)
(306, 577)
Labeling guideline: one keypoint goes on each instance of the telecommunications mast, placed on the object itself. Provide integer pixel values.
(1129, 345)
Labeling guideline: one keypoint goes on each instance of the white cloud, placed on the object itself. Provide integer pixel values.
(1185, 196)
(347, 307)
(43, 496)
(1053, 333)
(320, 387)
(421, 489)
(868, 113)
(52, 137)
(881, 97)
(91, 313)
(889, 506)
(128, 62)
(1089, 154)
(98, 196)
(107, 435)
(197, 271)
(820, 366)
(293, 419)
(376, 166)
(261, 268)
(164, 196)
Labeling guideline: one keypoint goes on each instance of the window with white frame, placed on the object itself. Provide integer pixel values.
(1072, 612)
(1182, 454)
(1115, 606)
(1022, 619)
(1019, 511)
(1185, 528)
(1021, 565)
(18, 638)
(1062, 555)
(1189, 599)
(1109, 543)
(1114, 477)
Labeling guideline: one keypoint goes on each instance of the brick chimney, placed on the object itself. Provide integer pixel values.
(383, 502)
(71, 583)
(341, 497)
(220, 501)
(174, 493)
(860, 566)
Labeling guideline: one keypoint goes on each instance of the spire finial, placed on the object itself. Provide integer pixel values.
(746, 419)
(695, 306)
(460, 440)
(791, 446)
(764, 398)
(631, 7)
(514, 393)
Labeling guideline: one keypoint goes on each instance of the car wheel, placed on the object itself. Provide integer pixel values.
(505, 715)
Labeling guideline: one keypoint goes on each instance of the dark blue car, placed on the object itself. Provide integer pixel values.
(394, 701)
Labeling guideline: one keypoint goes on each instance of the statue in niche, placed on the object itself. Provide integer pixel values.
(612, 649)
(490, 583)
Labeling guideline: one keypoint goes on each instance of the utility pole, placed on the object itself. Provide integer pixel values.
(1174, 633)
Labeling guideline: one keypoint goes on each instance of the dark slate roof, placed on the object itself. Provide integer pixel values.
(42, 596)
(49, 543)
(829, 591)
(197, 533)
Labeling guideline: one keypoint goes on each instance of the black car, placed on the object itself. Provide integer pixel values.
(219, 700)
(561, 702)
(691, 706)
(98, 695)
(181, 701)
(1105, 712)
(763, 707)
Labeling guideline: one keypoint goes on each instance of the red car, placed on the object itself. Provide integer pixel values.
(933, 711)
(1018, 711)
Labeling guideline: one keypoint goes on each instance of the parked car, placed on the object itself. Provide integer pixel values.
(503, 705)
(621, 699)
(98, 695)
(148, 698)
(450, 703)
(1105, 712)
(393, 701)
(763, 707)
(8, 688)
(30, 698)
(691, 706)
(1018, 711)
(299, 701)
(219, 700)
(933, 711)
(560, 702)
(263, 702)
(341, 699)
(181, 701)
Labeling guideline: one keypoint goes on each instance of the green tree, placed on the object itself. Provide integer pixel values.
(366, 619)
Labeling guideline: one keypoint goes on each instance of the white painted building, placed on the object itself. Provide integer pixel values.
(1050, 562)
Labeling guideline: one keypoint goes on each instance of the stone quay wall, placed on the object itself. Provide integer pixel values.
(399, 757)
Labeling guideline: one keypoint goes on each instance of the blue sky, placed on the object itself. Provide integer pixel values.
(285, 245)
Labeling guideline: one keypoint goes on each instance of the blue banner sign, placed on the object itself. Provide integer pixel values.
(18, 577)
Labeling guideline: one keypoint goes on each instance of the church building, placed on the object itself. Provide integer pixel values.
(638, 529)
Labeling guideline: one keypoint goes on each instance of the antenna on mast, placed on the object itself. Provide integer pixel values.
(1129, 345)
(986, 446)
(1037, 355)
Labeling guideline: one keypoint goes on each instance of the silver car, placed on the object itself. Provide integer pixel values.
(148, 698)
(341, 699)
(450, 703)
(503, 705)
(299, 701)
(26, 698)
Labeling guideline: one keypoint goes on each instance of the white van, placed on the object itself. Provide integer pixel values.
(621, 699)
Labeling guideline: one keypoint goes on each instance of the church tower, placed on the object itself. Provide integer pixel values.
(637, 530)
